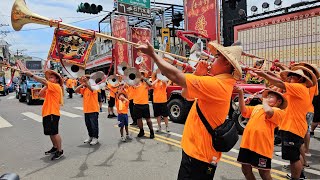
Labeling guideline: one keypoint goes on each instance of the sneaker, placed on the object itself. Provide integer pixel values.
(167, 129)
(128, 137)
(302, 176)
(51, 151)
(113, 115)
(308, 154)
(110, 116)
(312, 133)
(57, 155)
(278, 154)
(88, 140)
(141, 133)
(159, 129)
(123, 139)
(151, 134)
(306, 166)
(100, 109)
(287, 167)
(133, 124)
(94, 141)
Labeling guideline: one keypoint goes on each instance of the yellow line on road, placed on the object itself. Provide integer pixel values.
(223, 159)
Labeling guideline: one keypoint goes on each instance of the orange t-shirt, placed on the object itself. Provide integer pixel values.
(75, 82)
(90, 100)
(313, 91)
(131, 92)
(52, 100)
(298, 103)
(214, 95)
(69, 83)
(112, 91)
(141, 95)
(160, 92)
(122, 106)
(258, 136)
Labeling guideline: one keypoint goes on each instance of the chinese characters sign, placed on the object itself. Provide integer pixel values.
(119, 30)
(141, 3)
(202, 17)
(141, 34)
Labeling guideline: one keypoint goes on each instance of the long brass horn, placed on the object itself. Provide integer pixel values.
(21, 15)
(122, 67)
(113, 80)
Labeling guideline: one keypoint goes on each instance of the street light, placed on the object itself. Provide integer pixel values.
(265, 6)
(278, 3)
(254, 9)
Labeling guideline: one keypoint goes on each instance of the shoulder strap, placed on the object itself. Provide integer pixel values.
(204, 121)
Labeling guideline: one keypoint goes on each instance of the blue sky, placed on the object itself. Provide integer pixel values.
(37, 42)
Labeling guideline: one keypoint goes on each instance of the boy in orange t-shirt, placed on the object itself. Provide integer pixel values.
(122, 105)
(90, 109)
(70, 86)
(256, 148)
(52, 93)
(160, 103)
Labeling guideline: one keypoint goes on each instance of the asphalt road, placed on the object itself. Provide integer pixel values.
(23, 145)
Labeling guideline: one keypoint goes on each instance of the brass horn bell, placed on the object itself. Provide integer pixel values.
(122, 67)
(113, 80)
(97, 80)
(73, 71)
(132, 76)
(139, 60)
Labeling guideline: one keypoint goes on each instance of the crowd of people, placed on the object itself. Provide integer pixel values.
(287, 105)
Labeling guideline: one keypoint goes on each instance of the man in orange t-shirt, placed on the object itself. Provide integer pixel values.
(199, 158)
(294, 126)
(52, 93)
(256, 148)
(160, 103)
(90, 109)
(70, 86)
(141, 106)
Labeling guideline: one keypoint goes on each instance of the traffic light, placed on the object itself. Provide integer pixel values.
(51, 65)
(177, 18)
(89, 8)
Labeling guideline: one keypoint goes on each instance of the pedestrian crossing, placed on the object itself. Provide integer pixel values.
(11, 97)
(4, 123)
(33, 116)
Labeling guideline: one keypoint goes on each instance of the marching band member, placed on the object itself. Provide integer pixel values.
(70, 86)
(111, 101)
(160, 102)
(131, 95)
(53, 98)
(294, 126)
(141, 106)
(90, 110)
(122, 105)
(199, 158)
(256, 148)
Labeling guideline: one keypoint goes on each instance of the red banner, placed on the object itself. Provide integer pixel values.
(72, 47)
(119, 30)
(141, 35)
(202, 17)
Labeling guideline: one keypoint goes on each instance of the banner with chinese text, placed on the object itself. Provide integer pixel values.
(72, 47)
(141, 35)
(119, 30)
(202, 17)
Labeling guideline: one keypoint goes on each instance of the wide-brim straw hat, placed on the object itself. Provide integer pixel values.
(310, 74)
(284, 103)
(231, 53)
(312, 67)
(284, 75)
(49, 72)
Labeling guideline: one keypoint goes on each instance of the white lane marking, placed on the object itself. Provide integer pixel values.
(33, 116)
(11, 97)
(80, 108)
(68, 114)
(4, 123)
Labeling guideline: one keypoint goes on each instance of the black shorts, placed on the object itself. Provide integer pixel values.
(254, 159)
(111, 102)
(290, 146)
(191, 168)
(51, 124)
(141, 111)
(160, 109)
(99, 97)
